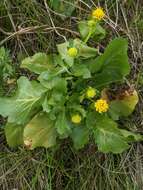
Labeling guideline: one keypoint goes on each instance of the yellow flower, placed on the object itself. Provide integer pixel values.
(72, 52)
(98, 13)
(76, 118)
(101, 106)
(91, 92)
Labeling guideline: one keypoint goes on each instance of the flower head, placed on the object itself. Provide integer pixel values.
(91, 92)
(101, 106)
(76, 118)
(98, 13)
(72, 52)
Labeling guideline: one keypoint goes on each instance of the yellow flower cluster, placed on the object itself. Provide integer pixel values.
(72, 52)
(98, 13)
(76, 118)
(91, 92)
(101, 106)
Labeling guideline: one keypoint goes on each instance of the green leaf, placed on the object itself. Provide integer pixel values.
(38, 63)
(57, 98)
(61, 86)
(81, 70)
(55, 60)
(95, 31)
(63, 51)
(25, 104)
(114, 64)
(108, 137)
(75, 107)
(40, 132)
(124, 106)
(80, 136)
(48, 79)
(99, 32)
(90, 119)
(51, 80)
(94, 64)
(84, 51)
(130, 136)
(83, 29)
(54, 100)
(62, 125)
(14, 134)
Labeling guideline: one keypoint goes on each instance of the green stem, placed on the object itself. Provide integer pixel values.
(88, 36)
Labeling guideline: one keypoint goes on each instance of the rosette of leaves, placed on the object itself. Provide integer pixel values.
(40, 112)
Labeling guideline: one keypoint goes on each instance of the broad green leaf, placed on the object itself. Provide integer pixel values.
(81, 70)
(61, 86)
(48, 79)
(14, 134)
(108, 137)
(99, 32)
(91, 119)
(114, 63)
(83, 29)
(51, 80)
(124, 106)
(38, 63)
(25, 104)
(96, 31)
(130, 136)
(84, 51)
(94, 64)
(62, 125)
(63, 51)
(40, 132)
(57, 98)
(115, 56)
(55, 60)
(80, 136)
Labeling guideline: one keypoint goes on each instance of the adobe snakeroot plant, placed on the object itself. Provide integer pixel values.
(71, 96)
